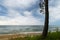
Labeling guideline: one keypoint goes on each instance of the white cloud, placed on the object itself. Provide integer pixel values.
(20, 20)
(28, 14)
(55, 13)
(13, 13)
(19, 3)
(14, 17)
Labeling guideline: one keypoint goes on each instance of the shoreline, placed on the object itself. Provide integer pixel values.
(21, 33)
(17, 35)
(9, 36)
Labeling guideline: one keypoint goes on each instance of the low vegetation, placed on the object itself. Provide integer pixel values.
(51, 36)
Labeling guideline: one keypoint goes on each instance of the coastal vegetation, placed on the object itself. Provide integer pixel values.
(50, 36)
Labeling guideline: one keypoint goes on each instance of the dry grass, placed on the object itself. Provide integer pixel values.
(9, 36)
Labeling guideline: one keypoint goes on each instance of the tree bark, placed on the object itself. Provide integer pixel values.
(46, 24)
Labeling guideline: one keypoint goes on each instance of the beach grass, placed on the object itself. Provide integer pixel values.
(50, 36)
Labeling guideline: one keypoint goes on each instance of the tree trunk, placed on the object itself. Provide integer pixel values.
(46, 24)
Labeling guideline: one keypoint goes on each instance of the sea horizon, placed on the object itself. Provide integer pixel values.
(11, 29)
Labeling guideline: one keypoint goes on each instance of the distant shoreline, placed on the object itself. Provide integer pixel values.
(22, 33)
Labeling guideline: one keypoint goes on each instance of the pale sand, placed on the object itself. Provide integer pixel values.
(8, 36)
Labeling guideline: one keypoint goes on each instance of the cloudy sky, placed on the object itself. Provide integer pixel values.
(26, 12)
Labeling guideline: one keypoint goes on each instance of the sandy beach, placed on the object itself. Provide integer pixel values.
(9, 36)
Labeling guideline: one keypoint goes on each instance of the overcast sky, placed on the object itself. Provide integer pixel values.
(26, 12)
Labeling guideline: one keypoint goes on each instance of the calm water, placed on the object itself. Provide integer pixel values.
(7, 29)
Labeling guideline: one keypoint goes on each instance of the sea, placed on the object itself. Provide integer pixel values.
(12, 29)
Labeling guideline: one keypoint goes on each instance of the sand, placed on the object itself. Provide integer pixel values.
(9, 36)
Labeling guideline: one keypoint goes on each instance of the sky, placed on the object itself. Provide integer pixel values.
(27, 12)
